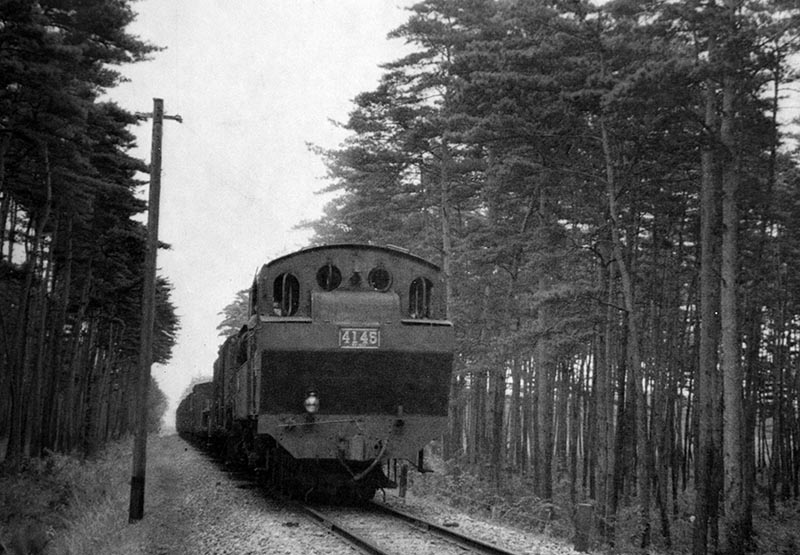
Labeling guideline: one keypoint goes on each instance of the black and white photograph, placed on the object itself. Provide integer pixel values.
(399, 277)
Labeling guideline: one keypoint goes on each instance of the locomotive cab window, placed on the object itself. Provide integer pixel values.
(379, 279)
(329, 277)
(285, 295)
(419, 298)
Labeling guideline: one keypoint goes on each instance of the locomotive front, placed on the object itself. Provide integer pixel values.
(351, 362)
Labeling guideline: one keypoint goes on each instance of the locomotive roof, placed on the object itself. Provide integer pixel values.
(361, 246)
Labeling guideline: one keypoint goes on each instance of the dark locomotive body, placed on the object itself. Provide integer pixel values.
(343, 366)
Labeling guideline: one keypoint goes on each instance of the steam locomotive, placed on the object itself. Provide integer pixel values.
(342, 370)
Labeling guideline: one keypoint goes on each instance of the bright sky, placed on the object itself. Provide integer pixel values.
(254, 81)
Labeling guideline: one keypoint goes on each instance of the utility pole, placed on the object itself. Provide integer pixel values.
(136, 511)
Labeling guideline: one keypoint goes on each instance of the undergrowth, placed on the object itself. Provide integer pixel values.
(80, 507)
(514, 504)
(63, 502)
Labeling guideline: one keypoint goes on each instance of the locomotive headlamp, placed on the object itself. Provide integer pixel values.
(312, 402)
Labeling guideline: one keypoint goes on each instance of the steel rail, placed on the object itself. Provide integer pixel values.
(446, 533)
(344, 533)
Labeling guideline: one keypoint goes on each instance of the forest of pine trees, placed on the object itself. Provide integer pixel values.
(71, 256)
(616, 208)
(611, 190)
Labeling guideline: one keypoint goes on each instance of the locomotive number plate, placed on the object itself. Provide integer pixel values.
(359, 338)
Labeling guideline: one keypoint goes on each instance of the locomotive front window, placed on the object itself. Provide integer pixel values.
(380, 279)
(329, 277)
(285, 295)
(419, 298)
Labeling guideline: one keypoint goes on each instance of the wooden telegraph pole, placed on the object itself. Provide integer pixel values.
(136, 511)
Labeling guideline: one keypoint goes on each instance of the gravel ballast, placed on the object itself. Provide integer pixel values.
(193, 506)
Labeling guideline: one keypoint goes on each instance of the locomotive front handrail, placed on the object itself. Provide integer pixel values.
(317, 422)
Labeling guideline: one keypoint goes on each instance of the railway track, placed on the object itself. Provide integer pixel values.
(378, 529)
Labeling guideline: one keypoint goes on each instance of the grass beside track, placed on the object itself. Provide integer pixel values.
(62, 505)
(192, 507)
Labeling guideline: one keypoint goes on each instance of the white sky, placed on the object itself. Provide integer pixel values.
(254, 81)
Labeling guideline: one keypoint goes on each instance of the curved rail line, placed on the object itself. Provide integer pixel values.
(473, 545)
(469, 543)
(349, 536)
(444, 532)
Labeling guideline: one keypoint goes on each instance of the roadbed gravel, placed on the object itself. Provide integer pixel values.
(194, 506)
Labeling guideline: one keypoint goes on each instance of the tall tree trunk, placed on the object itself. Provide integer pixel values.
(753, 381)
(528, 420)
(778, 429)
(732, 530)
(36, 404)
(497, 400)
(707, 459)
(479, 389)
(444, 209)
(478, 426)
(5, 197)
(605, 409)
(71, 402)
(562, 418)
(589, 422)
(633, 349)
(86, 391)
(63, 291)
(516, 442)
(455, 417)
(18, 442)
(546, 369)
(544, 394)
(621, 436)
(575, 398)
